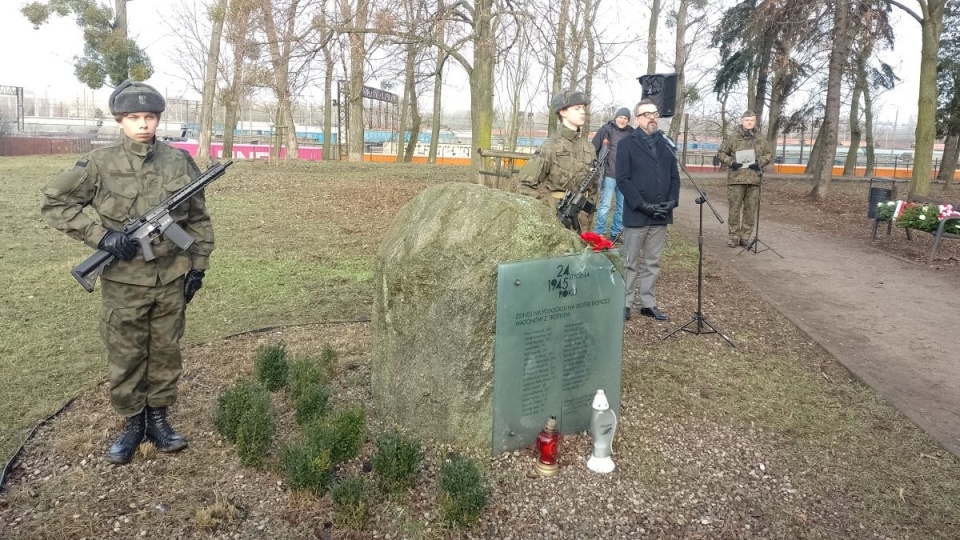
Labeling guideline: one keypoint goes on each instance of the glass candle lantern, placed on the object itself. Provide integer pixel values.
(548, 448)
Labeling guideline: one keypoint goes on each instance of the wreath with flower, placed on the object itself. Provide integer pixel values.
(597, 242)
(920, 216)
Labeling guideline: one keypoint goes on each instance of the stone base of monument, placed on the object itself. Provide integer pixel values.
(462, 353)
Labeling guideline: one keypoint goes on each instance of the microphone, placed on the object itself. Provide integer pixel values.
(667, 139)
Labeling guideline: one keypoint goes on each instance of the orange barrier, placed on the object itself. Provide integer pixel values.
(390, 158)
(887, 172)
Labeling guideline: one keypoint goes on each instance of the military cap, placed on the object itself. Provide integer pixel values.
(748, 114)
(133, 97)
(568, 98)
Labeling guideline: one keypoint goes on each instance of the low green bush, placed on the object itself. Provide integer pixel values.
(231, 404)
(350, 502)
(271, 366)
(311, 404)
(341, 436)
(329, 360)
(306, 469)
(395, 461)
(256, 430)
(463, 494)
(304, 375)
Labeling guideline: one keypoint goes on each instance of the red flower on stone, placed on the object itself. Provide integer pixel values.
(596, 241)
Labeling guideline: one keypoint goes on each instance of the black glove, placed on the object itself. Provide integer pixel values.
(650, 209)
(118, 245)
(755, 166)
(735, 165)
(192, 284)
(669, 205)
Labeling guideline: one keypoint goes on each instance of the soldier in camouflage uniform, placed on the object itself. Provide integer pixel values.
(565, 158)
(143, 303)
(743, 183)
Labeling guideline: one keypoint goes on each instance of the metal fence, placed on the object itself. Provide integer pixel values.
(34, 146)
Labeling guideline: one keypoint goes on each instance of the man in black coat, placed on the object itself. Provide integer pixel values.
(648, 177)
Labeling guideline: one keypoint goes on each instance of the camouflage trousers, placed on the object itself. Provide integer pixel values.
(141, 329)
(743, 200)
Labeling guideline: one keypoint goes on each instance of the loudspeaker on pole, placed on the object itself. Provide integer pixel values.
(661, 88)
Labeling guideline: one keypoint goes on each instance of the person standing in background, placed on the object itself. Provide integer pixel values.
(610, 134)
(743, 179)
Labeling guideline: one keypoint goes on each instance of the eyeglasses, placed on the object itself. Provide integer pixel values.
(648, 115)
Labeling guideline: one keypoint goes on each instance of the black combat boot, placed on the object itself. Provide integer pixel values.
(160, 433)
(133, 433)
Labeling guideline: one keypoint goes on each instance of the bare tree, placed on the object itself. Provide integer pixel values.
(823, 168)
(241, 50)
(217, 13)
(280, 41)
(652, 36)
(930, 17)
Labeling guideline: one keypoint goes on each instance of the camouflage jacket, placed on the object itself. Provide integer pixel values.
(740, 140)
(561, 164)
(125, 179)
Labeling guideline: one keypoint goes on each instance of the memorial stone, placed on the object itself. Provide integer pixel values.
(559, 340)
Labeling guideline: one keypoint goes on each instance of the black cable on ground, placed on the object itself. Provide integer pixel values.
(9, 465)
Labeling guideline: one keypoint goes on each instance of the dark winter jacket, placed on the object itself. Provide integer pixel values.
(612, 134)
(643, 178)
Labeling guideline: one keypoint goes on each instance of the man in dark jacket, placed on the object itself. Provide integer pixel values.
(648, 177)
(610, 134)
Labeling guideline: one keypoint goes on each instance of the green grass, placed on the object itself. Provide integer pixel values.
(286, 254)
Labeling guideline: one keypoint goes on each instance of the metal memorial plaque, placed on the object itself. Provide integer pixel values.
(559, 339)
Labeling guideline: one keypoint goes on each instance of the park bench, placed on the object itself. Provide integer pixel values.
(938, 235)
(501, 165)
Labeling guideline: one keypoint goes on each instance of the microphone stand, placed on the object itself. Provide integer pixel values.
(755, 244)
(699, 324)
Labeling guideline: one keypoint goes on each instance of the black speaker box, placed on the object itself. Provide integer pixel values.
(661, 88)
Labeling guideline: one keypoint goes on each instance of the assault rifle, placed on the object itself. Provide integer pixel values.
(574, 202)
(145, 228)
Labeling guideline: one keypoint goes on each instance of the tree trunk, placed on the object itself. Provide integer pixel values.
(591, 45)
(776, 111)
(238, 22)
(328, 104)
(481, 81)
(815, 150)
(652, 37)
(280, 60)
(853, 151)
(358, 54)
(559, 61)
(763, 75)
(408, 67)
(951, 151)
(679, 66)
(217, 15)
(868, 128)
(930, 28)
(823, 169)
(415, 122)
(437, 90)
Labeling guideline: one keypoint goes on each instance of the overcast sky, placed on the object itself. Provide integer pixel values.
(41, 60)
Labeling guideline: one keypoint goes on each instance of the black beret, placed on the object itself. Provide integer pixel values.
(133, 97)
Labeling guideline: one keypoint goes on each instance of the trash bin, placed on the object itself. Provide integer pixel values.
(877, 196)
